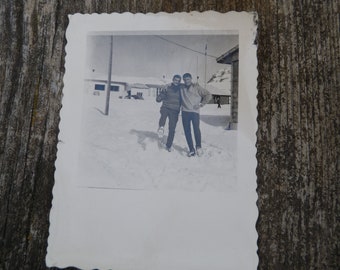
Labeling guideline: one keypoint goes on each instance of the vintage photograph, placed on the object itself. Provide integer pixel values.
(156, 152)
(170, 117)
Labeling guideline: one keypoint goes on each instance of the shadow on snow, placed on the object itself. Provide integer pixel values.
(142, 135)
(215, 120)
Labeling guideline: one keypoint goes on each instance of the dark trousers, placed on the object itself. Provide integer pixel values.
(187, 119)
(173, 118)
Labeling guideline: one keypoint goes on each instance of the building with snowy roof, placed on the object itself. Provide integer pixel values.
(219, 85)
(231, 57)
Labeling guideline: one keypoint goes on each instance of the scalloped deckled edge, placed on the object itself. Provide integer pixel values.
(79, 25)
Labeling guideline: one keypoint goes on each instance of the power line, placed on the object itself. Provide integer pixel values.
(180, 45)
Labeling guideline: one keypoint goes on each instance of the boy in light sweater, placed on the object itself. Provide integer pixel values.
(193, 97)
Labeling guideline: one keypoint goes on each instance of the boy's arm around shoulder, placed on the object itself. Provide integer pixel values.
(205, 94)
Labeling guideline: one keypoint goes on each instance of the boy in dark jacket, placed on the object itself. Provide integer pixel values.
(171, 97)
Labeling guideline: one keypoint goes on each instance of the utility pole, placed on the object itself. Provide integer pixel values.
(197, 77)
(108, 88)
(205, 66)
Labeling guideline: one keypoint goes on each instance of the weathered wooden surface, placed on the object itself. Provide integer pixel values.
(298, 134)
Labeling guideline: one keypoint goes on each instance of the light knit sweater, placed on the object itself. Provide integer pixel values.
(194, 97)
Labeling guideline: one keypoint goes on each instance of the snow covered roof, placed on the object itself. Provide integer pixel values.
(220, 82)
(216, 91)
(136, 82)
(227, 58)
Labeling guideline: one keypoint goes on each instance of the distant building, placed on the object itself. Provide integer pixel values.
(219, 85)
(124, 86)
(231, 58)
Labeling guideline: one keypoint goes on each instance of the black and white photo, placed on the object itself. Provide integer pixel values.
(156, 155)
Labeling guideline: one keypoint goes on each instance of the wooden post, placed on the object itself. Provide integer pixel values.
(205, 66)
(108, 88)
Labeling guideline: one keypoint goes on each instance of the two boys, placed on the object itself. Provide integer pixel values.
(189, 97)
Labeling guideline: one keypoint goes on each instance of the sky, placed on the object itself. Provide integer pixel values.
(158, 56)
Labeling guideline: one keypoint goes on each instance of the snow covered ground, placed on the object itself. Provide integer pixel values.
(122, 150)
(133, 205)
(126, 203)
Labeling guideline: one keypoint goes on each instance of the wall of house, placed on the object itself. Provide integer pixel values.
(234, 95)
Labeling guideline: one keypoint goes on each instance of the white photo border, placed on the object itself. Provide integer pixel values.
(77, 222)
